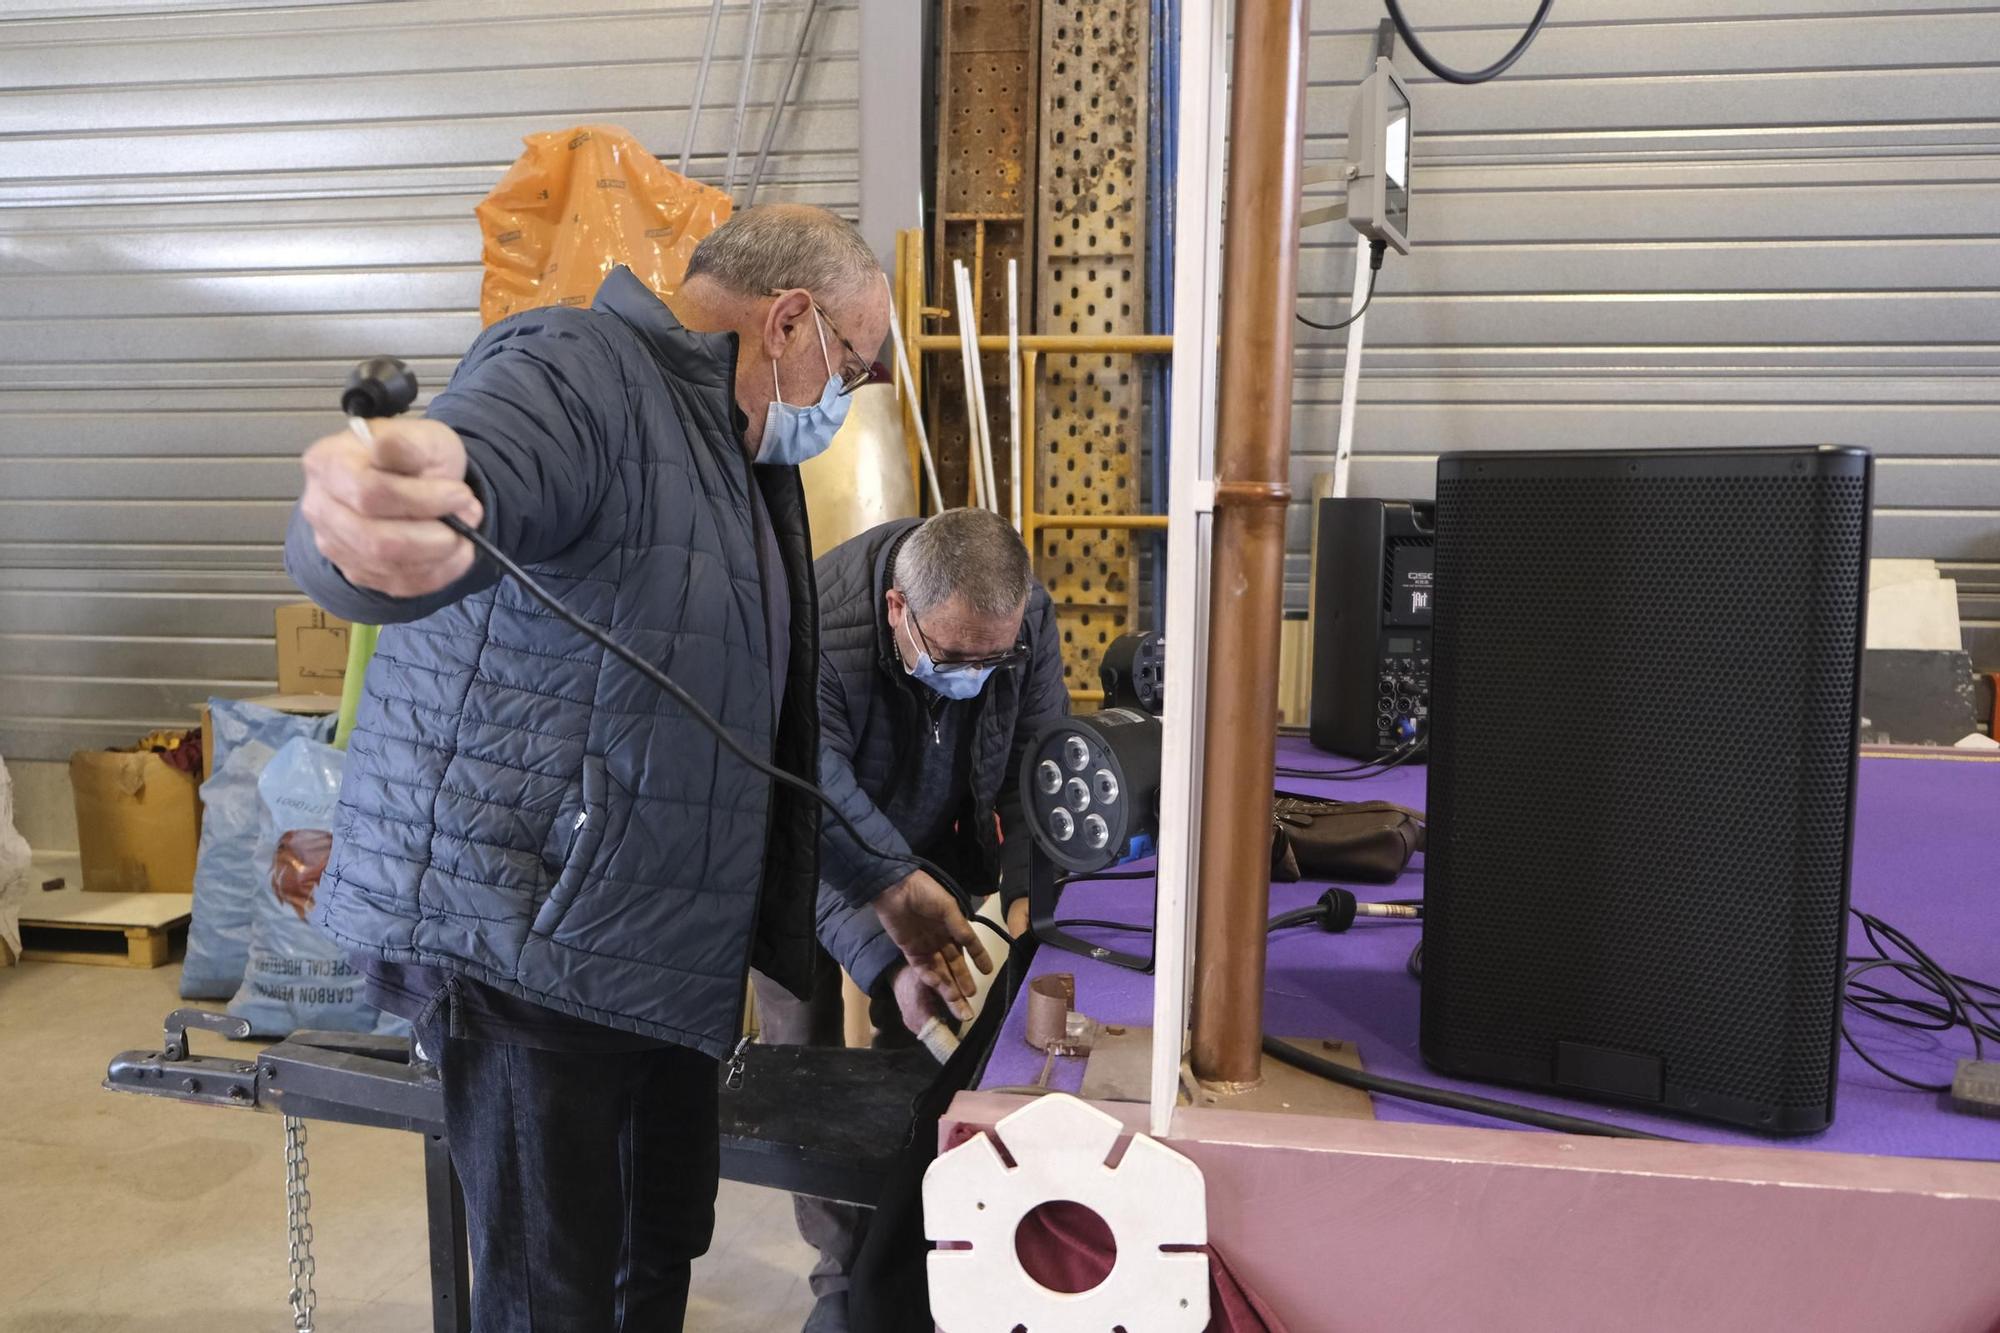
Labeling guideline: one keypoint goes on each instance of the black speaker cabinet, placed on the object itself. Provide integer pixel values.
(1371, 661)
(1646, 682)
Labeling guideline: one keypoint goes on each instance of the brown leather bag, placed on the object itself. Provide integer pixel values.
(1370, 841)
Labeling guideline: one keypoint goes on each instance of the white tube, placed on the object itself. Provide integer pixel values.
(975, 394)
(742, 95)
(1350, 375)
(784, 100)
(938, 1039)
(916, 408)
(985, 419)
(1014, 459)
(700, 83)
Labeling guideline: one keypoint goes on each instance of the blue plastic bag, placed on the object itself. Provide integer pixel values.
(295, 977)
(241, 739)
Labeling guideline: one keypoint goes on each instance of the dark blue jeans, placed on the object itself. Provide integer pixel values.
(589, 1182)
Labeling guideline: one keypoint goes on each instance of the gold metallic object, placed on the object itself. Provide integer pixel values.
(863, 479)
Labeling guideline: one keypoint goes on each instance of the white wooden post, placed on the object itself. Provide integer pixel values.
(1191, 505)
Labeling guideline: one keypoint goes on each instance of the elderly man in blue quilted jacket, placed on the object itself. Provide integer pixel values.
(540, 859)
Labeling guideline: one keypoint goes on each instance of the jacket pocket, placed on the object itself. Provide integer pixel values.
(586, 832)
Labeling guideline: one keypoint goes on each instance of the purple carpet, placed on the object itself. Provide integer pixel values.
(1926, 859)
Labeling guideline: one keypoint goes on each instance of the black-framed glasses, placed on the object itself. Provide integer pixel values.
(991, 662)
(855, 369)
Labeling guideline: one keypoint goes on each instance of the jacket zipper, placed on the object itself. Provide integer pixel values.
(733, 1076)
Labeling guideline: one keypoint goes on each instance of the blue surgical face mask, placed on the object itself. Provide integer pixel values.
(794, 434)
(951, 684)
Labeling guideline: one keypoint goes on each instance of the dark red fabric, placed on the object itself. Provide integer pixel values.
(1064, 1247)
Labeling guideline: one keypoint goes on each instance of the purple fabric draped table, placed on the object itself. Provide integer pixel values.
(1926, 859)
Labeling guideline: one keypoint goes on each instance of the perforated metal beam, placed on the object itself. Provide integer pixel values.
(1091, 238)
(985, 215)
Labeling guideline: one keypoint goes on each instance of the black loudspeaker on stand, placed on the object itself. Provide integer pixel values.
(1642, 775)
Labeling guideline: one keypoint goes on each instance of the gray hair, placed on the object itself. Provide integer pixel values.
(783, 246)
(969, 553)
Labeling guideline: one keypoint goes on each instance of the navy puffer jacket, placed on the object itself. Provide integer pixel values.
(873, 714)
(518, 806)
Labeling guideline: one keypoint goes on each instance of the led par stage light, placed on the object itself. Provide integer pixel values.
(1089, 786)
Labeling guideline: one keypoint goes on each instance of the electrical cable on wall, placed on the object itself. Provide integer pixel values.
(1446, 72)
(1375, 251)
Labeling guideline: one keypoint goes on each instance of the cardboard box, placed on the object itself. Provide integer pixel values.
(312, 650)
(137, 827)
(306, 705)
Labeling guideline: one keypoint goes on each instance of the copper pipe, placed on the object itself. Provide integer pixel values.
(1253, 447)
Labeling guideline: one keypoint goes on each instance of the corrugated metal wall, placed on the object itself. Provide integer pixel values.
(1677, 222)
(1680, 222)
(207, 213)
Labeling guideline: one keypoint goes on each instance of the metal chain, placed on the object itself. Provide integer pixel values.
(298, 1223)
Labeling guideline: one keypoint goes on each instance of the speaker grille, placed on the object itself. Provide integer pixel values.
(1640, 791)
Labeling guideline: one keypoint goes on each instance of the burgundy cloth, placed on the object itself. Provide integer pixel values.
(1065, 1247)
(1925, 846)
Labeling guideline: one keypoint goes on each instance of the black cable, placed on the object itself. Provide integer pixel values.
(1339, 909)
(1102, 924)
(1365, 766)
(1446, 72)
(1445, 1097)
(1423, 1092)
(1415, 964)
(687, 701)
(1092, 875)
(1366, 299)
(1947, 1003)
(1324, 914)
(1408, 750)
(1375, 252)
(1298, 916)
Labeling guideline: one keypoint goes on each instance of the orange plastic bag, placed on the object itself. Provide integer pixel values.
(576, 205)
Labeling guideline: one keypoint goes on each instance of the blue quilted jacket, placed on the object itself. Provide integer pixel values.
(518, 806)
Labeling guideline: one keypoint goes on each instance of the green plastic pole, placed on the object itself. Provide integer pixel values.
(360, 647)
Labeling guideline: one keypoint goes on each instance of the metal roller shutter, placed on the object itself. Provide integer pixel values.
(207, 213)
(1683, 222)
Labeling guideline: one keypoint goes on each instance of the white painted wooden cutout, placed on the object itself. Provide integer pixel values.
(1156, 1197)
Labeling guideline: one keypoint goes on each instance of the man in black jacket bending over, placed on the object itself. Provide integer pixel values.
(939, 660)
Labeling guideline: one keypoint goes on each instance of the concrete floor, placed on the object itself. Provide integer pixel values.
(124, 1213)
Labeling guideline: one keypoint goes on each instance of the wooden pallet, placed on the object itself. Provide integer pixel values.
(104, 929)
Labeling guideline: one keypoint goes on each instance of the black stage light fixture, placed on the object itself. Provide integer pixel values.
(1089, 786)
(1134, 672)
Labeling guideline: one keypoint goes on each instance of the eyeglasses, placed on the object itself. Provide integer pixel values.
(855, 370)
(946, 667)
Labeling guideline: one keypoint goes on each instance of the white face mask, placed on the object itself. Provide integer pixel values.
(794, 434)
